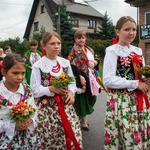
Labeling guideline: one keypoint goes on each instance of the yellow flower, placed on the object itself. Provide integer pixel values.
(21, 111)
(62, 75)
(62, 81)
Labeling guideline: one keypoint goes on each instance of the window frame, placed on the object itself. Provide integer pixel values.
(92, 24)
(147, 21)
(36, 26)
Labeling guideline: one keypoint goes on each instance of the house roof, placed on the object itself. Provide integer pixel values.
(80, 8)
(138, 3)
(52, 7)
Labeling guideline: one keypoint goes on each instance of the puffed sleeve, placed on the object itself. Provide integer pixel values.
(35, 83)
(6, 125)
(109, 74)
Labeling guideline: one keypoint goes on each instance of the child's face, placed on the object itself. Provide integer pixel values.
(33, 47)
(8, 51)
(81, 41)
(127, 33)
(53, 47)
(14, 76)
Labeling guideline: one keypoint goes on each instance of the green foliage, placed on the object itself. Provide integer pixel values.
(62, 81)
(16, 44)
(107, 31)
(98, 46)
(38, 35)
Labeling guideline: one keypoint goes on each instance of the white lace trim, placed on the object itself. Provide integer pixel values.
(124, 51)
(14, 98)
(46, 65)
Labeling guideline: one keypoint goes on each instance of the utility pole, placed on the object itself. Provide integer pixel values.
(58, 20)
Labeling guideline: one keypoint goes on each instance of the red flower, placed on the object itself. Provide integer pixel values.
(107, 138)
(82, 61)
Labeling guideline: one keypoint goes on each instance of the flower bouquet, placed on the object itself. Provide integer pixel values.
(145, 71)
(21, 111)
(61, 81)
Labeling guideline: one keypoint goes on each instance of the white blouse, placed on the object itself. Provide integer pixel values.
(6, 125)
(90, 57)
(110, 65)
(34, 57)
(46, 65)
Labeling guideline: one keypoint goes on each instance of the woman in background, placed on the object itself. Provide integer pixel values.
(83, 62)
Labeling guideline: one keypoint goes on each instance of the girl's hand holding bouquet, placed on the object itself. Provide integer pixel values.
(21, 114)
(145, 71)
(59, 86)
(22, 125)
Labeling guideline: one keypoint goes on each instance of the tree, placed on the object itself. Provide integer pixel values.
(107, 31)
(16, 44)
(66, 29)
(38, 35)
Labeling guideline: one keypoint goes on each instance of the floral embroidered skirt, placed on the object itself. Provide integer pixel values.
(50, 127)
(22, 140)
(125, 128)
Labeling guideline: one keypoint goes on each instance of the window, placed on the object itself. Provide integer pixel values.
(42, 9)
(75, 22)
(36, 26)
(91, 24)
(147, 18)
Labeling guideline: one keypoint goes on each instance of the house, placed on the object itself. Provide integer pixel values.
(42, 13)
(143, 7)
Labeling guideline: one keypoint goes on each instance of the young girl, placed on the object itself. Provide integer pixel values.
(16, 135)
(58, 126)
(127, 119)
(31, 56)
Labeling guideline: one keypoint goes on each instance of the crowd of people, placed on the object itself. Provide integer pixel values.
(36, 114)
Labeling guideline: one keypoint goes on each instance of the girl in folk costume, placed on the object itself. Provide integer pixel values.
(58, 126)
(83, 62)
(127, 119)
(16, 132)
(31, 56)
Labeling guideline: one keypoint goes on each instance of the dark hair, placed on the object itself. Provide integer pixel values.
(123, 20)
(33, 43)
(10, 60)
(6, 47)
(48, 35)
(79, 33)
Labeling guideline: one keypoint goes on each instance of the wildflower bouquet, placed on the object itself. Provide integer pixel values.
(21, 111)
(145, 71)
(61, 81)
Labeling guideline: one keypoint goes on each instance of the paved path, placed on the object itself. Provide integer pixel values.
(93, 139)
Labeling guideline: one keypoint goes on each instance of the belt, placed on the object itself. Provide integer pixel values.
(119, 91)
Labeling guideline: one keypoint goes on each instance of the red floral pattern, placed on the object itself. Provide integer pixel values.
(50, 127)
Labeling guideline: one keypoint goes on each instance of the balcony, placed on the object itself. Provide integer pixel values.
(138, 3)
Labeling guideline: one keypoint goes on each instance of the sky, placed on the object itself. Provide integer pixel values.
(14, 14)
